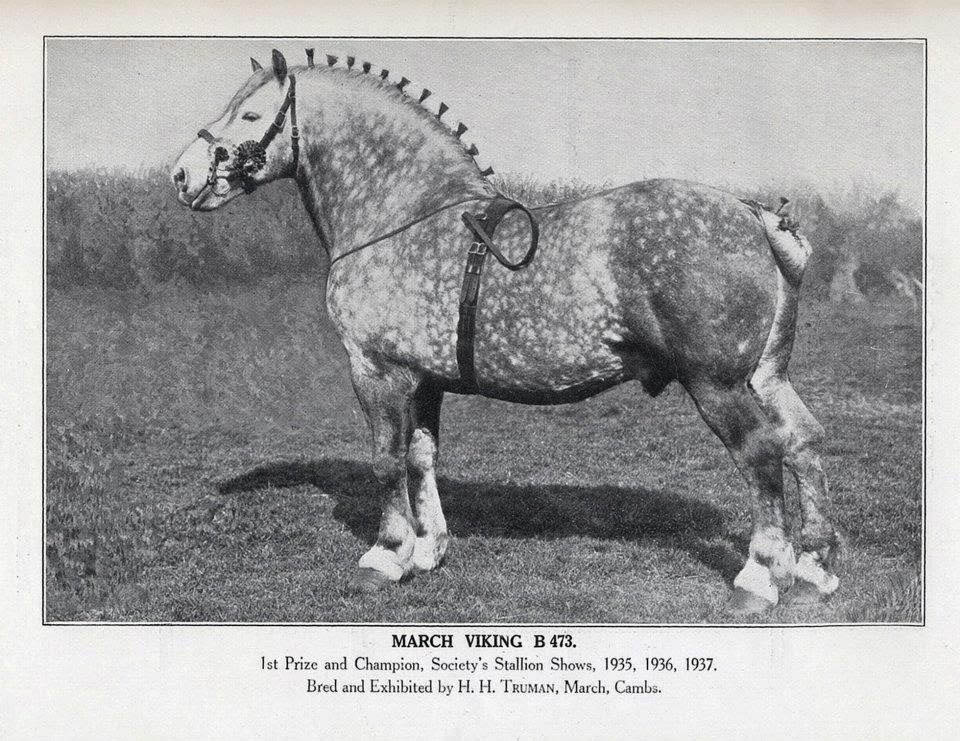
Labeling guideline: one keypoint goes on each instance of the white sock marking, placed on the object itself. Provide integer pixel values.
(755, 579)
(384, 561)
(810, 570)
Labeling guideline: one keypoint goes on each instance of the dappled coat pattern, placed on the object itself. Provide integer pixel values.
(656, 281)
(631, 256)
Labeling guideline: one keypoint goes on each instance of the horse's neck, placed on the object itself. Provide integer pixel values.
(370, 163)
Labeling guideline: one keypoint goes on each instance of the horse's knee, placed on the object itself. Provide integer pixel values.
(422, 452)
(819, 538)
(803, 461)
(388, 469)
(814, 431)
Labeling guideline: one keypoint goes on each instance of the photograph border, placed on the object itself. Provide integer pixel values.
(922, 623)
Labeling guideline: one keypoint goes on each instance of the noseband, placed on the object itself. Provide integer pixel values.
(250, 157)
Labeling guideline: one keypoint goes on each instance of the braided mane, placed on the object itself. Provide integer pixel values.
(364, 74)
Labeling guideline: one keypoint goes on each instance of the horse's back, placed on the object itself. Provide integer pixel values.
(642, 281)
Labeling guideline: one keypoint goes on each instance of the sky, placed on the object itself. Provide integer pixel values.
(735, 113)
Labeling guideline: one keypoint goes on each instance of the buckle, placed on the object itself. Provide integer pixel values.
(477, 248)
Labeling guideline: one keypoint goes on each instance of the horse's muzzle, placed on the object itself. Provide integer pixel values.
(200, 188)
(188, 184)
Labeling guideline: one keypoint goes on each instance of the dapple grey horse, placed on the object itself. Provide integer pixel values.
(655, 281)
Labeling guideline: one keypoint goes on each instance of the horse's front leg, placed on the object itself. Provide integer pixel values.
(385, 394)
(432, 538)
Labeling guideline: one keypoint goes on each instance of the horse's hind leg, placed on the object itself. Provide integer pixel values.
(819, 540)
(431, 526)
(385, 395)
(734, 415)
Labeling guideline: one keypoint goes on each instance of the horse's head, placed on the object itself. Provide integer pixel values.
(251, 144)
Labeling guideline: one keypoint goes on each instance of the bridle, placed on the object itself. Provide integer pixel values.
(250, 157)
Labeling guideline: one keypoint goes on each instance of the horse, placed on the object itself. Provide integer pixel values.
(656, 281)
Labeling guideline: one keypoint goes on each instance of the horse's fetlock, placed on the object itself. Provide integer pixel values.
(826, 543)
(770, 548)
(782, 571)
(391, 564)
(812, 570)
(756, 579)
(428, 552)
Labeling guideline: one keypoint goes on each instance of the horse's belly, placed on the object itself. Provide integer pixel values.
(551, 333)
(541, 371)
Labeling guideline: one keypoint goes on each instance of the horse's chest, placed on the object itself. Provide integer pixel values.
(406, 315)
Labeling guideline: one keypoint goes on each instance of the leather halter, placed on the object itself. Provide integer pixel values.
(251, 156)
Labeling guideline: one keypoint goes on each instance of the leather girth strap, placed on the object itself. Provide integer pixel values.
(484, 227)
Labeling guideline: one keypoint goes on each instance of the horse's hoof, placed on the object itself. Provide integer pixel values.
(747, 603)
(803, 593)
(368, 581)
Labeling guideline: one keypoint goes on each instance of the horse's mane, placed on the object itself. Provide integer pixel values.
(365, 74)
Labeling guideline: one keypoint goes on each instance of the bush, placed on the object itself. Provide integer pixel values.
(121, 229)
(876, 230)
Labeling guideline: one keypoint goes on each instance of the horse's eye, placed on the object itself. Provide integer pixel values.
(250, 116)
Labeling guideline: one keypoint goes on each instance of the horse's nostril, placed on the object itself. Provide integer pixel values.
(179, 176)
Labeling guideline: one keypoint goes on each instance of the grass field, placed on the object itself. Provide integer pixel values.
(207, 461)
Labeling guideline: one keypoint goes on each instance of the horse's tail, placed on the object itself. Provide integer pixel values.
(791, 250)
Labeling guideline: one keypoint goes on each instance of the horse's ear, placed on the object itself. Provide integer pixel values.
(255, 64)
(279, 66)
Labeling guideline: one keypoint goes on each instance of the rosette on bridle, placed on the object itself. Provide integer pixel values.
(250, 157)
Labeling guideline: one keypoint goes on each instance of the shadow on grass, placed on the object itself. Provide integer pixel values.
(522, 511)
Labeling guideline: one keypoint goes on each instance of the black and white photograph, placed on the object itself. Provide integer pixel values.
(484, 331)
(450, 370)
